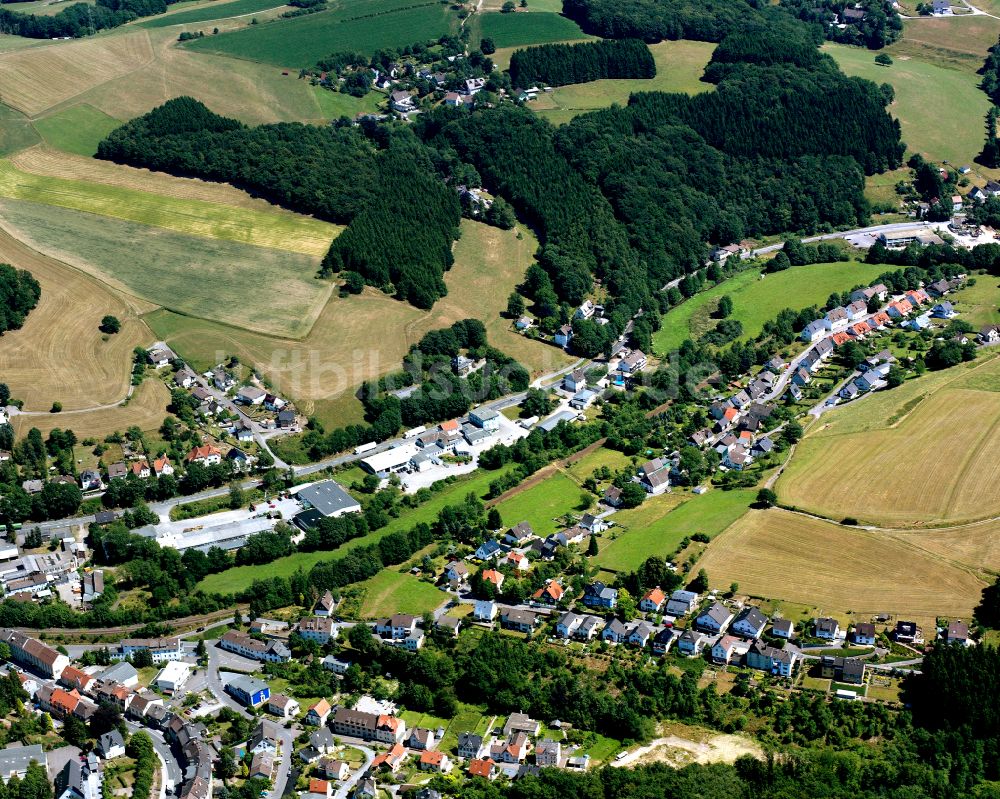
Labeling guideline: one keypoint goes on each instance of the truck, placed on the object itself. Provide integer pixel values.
(414, 432)
(528, 423)
(363, 448)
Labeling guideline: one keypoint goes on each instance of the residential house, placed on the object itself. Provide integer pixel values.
(599, 595)
(318, 713)
(550, 594)
(662, 640)
(750, 623)
(390, 760)
(575, 381)
(282, 706)
(779, 662)
(639, 634)
(682, 602)
(470, 745)
(724, 649)
(827, 628)
(957, 632)
(943, 310)
(563, 336)
(652, 601)
(520, 534)
(437, 762)
(863, 634)
(485, 768)
(402, 101)
(317, 628)
(548, 753)
(488, 550)
(266, 651)
(420, 738)
(715, 619)
(484, 610)
(690, 642)
(325, 605)
(206, 455)
(111, 745)
(523, 621)
(456, 572)
(494, 577)
(848, 670)
(632, 363)
(782, 628)
(265, 738)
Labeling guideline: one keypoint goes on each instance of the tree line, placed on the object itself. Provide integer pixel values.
(560, 64)
(401, 217)
(79, 19)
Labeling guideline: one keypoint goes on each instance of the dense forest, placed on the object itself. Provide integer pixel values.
(19, 293)
(630, 196)
(402, 218)
(79, 19)
(711, 21)
(560, 64)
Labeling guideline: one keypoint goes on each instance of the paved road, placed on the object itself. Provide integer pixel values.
(168, 760)
(344, 790)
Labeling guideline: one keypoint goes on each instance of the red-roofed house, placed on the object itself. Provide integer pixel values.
(493, 576)
(435, 761)
(653, 600)
(206, 455)
(550, 594)
(486, 769)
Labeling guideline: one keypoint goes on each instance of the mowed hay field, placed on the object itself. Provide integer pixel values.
(391, 591)
(938, 109)
(262, 289)
(757, 300)
(60, 354)
(782, 555)
(525, 28)
(37, 78)
(284, 231)
(209, 12)
(679, 67)
(77, 129)
(358, 26)
(920, 455)
(958, 42)
(360, 337)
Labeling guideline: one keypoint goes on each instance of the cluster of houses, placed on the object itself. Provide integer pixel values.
(35, 577)
(62, 690)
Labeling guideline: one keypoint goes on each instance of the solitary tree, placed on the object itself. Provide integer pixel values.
(487, 46)
(883, 60)
(592, 546)
(766, 498)
(110, 324)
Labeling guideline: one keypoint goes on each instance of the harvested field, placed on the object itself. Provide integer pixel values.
(146, 410)
(261, 289)
(338, 353)
(952, 42)
(37, 78)
(975, 545)
(60, 354)
(789, 556)
(210, 11)
(290, 232)
(16, 131)
(922, 458)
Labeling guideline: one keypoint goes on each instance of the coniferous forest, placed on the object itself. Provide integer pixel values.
(19, 293)
(560, 64)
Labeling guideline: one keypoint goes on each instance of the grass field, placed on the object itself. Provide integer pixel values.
(920, 455)
(281, 231)
(979, 305)
(756, 300)
(257, 288)
(657, 526)
(364, 25)
(240, 578)
(785, 555)
(583, 467)
(16, 131)
(77, 129)
(392, 592)
(212, 11)
(525, 28)
(337, 355)
(938, 109)
(60, 353)
(679, 65)
(542, 504)
(958, 43)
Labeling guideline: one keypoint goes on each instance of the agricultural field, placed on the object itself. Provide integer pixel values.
(337, 355)
(525, 28)
(679, 66)
(979, 305)
(958, 43)
(919, 455)
(77, 129)
(658, 525)
(365, 26)
(391, 591)
(283, 231)
(258, 288)
(543, 504)
(211, 11)
(60, 354)
(239, 578)
(780, 554)
(16, 131)
(757, 300)
(934, 105)
(36, 78)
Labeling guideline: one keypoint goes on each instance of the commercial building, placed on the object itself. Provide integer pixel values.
(172, 676)
(329, 499)
(34, 654)
(160, 649)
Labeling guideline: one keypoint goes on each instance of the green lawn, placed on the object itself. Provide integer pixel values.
(390, 592)
(334, 105)
(679, 66)
(515, 30)
(658, 525)
(215, 10)
(262, 289)
(542, 504)
(77, 129)
(468, 719)
(583, 468)
(757, 300)
(979, 305)
(940, 110)
(16, 132)
(239, 578)
(362, 26)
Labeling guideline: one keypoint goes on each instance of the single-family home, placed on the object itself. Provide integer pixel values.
(614, 631)
(779, 662)
(957, 632)
(662, 640)
(943, 310)
(652, 601)
(563, 336)
(690, 642)
(599, 595)
(825, 627)
(724, 649)
(682, 602)
(863, 633)
(715, 619)
(750, 623)
(782, 628)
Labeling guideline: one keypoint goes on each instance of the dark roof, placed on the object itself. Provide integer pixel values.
(327, 497)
